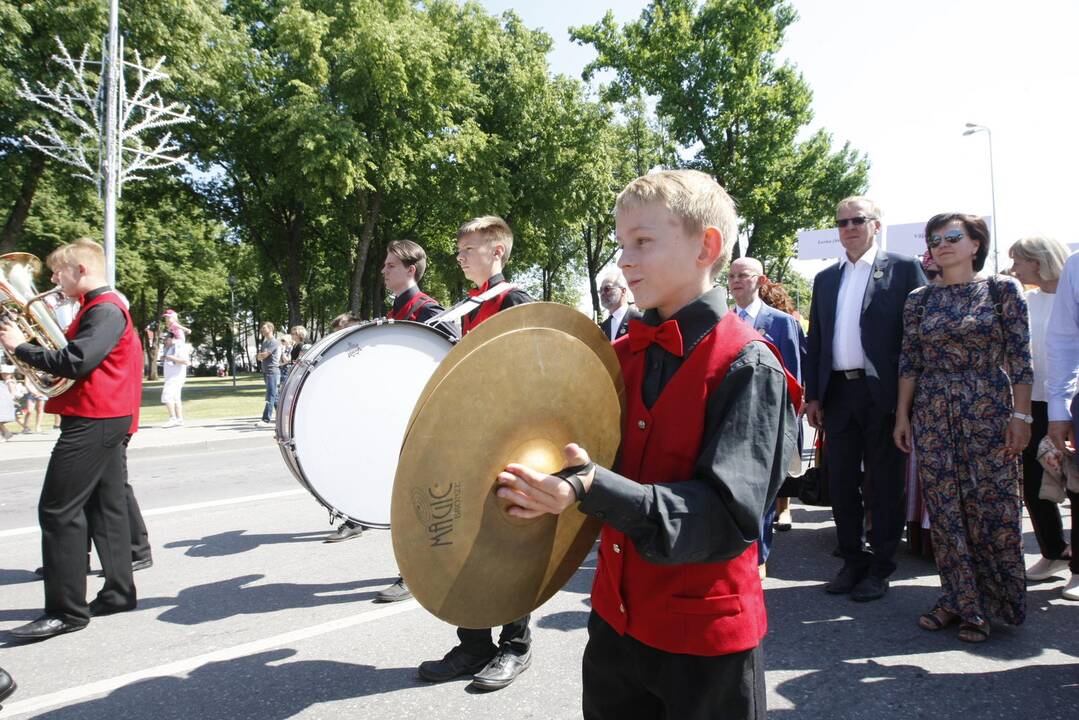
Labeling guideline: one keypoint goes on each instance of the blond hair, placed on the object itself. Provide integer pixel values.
(695, 198)
(1050, 255)
(871, 207)
(83, 251)
(491, 229)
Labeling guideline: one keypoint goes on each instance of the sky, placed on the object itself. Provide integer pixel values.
(899, 81)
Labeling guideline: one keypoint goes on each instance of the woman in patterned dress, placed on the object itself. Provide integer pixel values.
(965, 369)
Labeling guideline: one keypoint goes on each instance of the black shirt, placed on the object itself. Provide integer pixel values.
(749, 435)
(99, 330)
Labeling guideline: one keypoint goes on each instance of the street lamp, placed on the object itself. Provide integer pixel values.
(994, 244)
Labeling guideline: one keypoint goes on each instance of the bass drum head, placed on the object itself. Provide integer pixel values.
(347, 416)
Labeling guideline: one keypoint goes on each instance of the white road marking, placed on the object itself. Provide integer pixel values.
(180, 667)
(181, 508)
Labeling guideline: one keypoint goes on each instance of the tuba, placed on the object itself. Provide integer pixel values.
(35, 316)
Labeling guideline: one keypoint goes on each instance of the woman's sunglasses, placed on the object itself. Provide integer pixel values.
(952, 236)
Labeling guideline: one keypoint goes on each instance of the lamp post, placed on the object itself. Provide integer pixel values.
(232, 324)
(973, 128)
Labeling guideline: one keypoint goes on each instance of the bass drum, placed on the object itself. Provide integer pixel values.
(344, 410)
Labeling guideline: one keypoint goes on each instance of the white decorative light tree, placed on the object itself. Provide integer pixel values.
(108, 123)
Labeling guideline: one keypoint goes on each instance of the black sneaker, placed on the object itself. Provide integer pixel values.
(346, 531)
(502, 670)
(456, 663)
(394, 593)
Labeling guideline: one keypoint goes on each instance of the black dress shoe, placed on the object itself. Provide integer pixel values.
(456, 663)
(45, 627)
(870, 588)
(98, 608)
(394, 593)
(845, 580)
(346, 531)
(502, 670)
(7, 685)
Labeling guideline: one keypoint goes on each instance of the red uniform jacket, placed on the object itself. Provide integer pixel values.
(487, 309)
(412, 308)
(113, 388)
(696, 609)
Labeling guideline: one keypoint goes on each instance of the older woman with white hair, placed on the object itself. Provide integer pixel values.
(1037, 262)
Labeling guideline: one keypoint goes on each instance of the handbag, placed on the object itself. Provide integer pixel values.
(814, 485)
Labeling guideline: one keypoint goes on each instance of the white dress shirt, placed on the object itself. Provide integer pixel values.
(616, 320)
(1062, 343)
(1040, 304)
(847, 352)
(752, 311)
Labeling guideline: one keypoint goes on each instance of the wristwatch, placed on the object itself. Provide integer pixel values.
(1028, 419)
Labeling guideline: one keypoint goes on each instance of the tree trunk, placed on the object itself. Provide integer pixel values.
(156, 344)
(21, 209)
(363, 247)
(293, 276)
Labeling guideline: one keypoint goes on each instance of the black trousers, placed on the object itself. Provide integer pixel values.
(140, 537)
(478, 642)
(84, 485)
(627, 680)
(1044, 514)
(858, 432)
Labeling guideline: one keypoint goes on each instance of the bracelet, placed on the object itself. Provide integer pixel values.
(573, 475)
(1028, 419)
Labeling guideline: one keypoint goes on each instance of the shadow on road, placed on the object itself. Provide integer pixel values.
(18, 577)
(235, 542)
(239, 596)
(256, 685)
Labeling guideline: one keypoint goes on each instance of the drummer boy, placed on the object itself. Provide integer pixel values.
(677, 607)
(483, 248)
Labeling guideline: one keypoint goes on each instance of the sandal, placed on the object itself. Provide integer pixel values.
(974, 633)
(936, 619)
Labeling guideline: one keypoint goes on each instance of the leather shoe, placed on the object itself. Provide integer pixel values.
(845, 580)
(870, 588)
(394, 593)
(98, 608)
(346, 531)
(503, 669)
(7, 685)
(45, 627)
(456, 663)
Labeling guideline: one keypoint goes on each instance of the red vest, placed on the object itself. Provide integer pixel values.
(486, 309)
(412, 308)
(693, 608)
(113, 388)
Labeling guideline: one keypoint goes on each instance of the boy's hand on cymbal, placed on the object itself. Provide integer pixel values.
(533, 493)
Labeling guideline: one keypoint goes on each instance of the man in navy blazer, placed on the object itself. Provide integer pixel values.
(614, 296)
(851, 378)
(777, 327)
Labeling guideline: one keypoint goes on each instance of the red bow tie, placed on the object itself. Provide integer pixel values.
(666, 335)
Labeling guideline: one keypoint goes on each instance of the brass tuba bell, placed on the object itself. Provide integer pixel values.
(34, 313)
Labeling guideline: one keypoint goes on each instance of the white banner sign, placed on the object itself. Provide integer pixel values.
(819, 244)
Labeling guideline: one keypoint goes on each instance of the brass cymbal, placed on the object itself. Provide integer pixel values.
(538, 314)
(521, 396)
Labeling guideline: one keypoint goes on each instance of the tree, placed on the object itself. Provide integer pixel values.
(721, 91)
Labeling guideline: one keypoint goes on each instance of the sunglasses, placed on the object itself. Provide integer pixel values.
(856, 221)
(953, 236)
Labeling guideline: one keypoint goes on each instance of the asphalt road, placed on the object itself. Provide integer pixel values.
(247, 614)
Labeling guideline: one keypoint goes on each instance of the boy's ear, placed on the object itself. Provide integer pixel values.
(711, 247)
(499, 250)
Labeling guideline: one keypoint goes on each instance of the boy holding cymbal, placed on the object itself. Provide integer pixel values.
(677, 605)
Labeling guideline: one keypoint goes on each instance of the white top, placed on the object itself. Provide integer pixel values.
(847, 352)
(1062, 343)
(752, 311)
(616, 320)
(1039, 304)
(174, 369)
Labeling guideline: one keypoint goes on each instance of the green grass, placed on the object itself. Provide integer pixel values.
(208, 398)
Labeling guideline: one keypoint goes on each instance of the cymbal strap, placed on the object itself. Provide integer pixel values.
(573, 475)
(469, 304)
